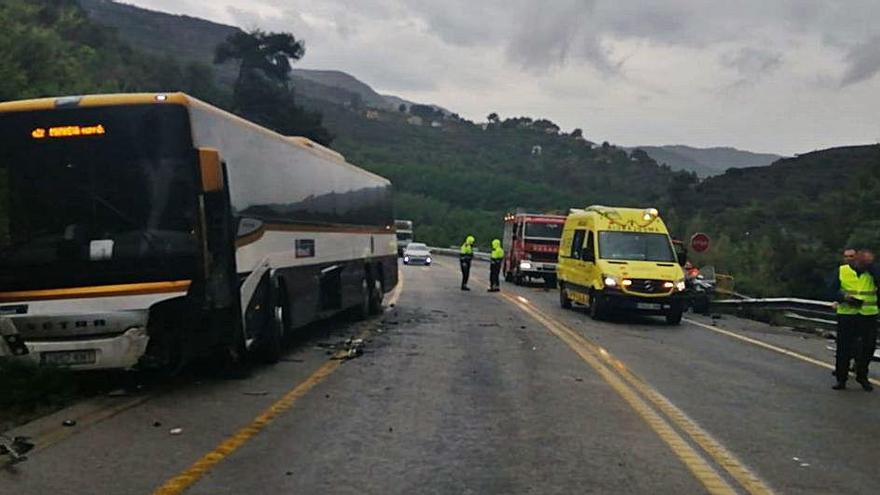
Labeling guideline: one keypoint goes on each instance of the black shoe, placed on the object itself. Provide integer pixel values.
(464, 287)
(839, 386)
(866, 385)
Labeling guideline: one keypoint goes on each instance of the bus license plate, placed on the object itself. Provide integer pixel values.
(648, 306)
(69, 358)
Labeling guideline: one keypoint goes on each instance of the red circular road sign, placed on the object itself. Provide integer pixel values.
(700, 242)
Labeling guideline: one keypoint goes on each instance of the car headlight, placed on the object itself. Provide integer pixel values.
(406, 259)
(525, 265)
(609, 281)
(428, 259)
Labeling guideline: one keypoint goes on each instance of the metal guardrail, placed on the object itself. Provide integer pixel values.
(478, 255)
(798, 312)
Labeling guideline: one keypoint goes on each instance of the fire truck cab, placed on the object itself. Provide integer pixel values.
(531, 244)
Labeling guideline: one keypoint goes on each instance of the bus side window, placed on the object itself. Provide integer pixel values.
(577, 243)
(589, 253)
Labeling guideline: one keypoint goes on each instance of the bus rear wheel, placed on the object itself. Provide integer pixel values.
(376, 296)
(362, 310)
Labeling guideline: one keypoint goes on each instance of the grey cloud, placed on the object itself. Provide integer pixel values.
(752, 62)
(863, 61)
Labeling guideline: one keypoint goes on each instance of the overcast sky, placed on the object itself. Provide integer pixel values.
(784, 76)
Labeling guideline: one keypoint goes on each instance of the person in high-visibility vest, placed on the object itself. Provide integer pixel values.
(855, 290)
(465, 256)
(495, 258)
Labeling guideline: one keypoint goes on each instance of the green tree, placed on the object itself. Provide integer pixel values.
(257, 51)
(262, 92)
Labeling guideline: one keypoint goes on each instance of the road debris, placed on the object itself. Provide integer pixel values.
(352, 348)
(69, 422)
(157, 424)
(175, 431)
(15, 448)
(256, 393)
(119, 392)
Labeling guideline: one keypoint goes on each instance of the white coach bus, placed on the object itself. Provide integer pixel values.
(143, 230)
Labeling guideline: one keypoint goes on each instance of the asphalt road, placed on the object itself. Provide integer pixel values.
(474, 392)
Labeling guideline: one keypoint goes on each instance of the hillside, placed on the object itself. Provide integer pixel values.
(195, 39)
(707, 162)
(782, 227)
(154, 32)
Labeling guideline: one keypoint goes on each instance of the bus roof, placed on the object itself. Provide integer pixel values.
(175, 98)
(94, 101)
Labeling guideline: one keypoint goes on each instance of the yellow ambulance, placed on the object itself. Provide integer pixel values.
(620, 259)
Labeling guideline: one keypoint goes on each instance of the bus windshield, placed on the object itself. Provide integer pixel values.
(635, 246)
(95, 196)
(548, 230)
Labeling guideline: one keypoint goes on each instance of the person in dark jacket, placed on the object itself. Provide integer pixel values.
(854, 287)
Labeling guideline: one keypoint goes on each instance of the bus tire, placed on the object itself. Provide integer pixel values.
(564, 301)
(362, 310)
(377, 293)
(277, 324)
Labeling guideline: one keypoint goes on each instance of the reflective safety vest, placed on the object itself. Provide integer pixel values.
(467, 249)
(860, 286)
(497, 251)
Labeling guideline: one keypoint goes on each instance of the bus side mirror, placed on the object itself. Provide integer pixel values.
(212, 170)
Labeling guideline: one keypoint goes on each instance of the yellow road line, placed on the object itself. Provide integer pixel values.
(629, 386)
(702, 470)
(200, 468)
(766, 345)
(183, 481)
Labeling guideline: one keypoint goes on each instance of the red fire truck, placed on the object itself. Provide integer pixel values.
(531, 244)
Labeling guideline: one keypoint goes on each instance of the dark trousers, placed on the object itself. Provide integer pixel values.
(856, 339)
(494, 270)
(465, 270)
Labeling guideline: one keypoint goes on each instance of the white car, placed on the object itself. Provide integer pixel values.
(416, 253)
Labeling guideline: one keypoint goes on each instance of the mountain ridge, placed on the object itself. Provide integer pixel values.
(706, 162)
